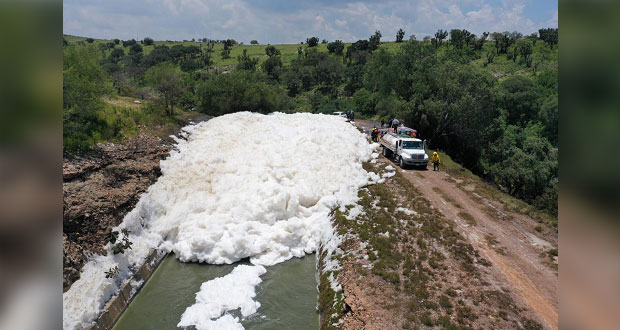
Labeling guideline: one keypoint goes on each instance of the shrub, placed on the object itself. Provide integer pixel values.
(312, 42)
(238, 91)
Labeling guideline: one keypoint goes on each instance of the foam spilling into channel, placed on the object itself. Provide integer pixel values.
(233, 291)
(241, 185)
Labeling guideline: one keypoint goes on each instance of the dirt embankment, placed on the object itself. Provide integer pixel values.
(98, 191)
(437, 249)
(522, 251)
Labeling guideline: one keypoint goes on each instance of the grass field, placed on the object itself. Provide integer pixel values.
(288, 51)
(501, 66)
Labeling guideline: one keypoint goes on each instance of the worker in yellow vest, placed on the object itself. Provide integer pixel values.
(435, 160)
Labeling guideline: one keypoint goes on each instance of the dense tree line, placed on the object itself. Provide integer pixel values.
(502, 129)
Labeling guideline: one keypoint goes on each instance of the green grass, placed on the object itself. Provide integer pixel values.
(469, 219)
(120, 122)
(501, 66)
(288, 51)
(127, 121)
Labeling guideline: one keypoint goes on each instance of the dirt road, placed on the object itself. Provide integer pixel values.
(517, 246)
(507, 241)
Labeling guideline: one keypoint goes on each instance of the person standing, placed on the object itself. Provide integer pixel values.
(382, 123)
(375, 134)
(395, 123)
(436, 161)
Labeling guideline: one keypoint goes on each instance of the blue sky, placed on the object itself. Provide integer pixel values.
(292, 21)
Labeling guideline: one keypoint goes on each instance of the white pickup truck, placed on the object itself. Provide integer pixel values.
(405, 150)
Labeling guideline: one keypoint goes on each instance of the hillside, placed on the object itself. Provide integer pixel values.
(501, 67)
(491, 104)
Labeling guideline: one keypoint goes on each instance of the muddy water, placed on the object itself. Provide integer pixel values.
(287, 295)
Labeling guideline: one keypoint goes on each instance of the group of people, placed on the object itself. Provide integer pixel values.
(392, 123)
(374, 134)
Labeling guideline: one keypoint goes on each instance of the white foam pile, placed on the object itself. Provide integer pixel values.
(233, 291)
(241, 185)
(388, 174)
(406, 211)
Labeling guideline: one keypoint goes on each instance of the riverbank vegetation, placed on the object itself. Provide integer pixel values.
(489, 101)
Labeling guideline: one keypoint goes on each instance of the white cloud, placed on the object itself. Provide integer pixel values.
(341, 22)
(243, 20)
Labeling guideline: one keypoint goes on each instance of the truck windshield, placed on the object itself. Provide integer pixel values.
(412, 145)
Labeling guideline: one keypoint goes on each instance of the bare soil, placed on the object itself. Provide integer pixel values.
(510, 241)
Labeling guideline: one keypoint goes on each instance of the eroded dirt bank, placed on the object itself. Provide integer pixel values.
(99, 190)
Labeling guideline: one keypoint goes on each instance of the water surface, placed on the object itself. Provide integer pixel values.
(287, 295)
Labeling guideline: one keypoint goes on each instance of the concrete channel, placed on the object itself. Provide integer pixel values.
(115, 307)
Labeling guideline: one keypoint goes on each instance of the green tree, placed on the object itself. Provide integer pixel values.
(400, 35)
(549, 36)
(238, 91)
(335, 47)
(245, 62)
(457, 38)
(225, 53)
(521, 162)
(254, 42)
(440, 35)
(502, 42)
(189, 65)
(90, 40)
(128, 43)
(167, 79)
(117, 54)
(272, 67)
(204, 60)
(135, 49)
(328, 74)
(147, 41)
(478, 44)
(520, 98)
(84, 83)
(525, 50)
(374, 40)
(364, 101)
(272, 51)
(312, 41)
(549, 117)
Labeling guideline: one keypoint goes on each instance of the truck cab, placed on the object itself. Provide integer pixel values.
(404, 149)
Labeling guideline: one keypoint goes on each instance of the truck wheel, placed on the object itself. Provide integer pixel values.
(401, 163)
(384, 151)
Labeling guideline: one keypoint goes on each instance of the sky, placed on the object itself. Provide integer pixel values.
(292, 21)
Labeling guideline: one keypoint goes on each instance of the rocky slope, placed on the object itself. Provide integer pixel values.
(99, 189)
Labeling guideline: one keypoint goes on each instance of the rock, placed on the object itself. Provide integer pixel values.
(99, 191)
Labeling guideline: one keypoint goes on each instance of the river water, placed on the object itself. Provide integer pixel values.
(288, 295)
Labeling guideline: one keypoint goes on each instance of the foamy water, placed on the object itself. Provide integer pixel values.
(241, 185)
